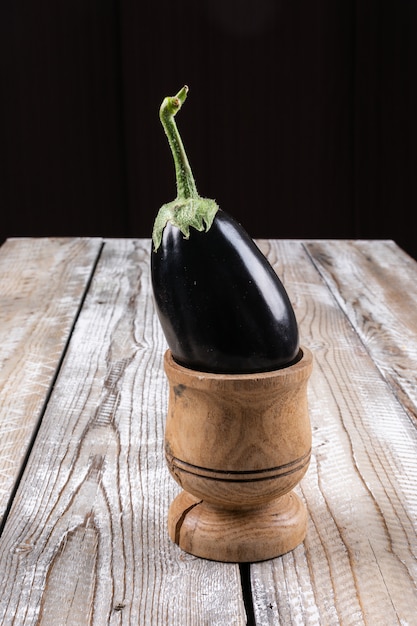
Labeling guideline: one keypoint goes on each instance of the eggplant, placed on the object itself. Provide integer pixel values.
(221, 305)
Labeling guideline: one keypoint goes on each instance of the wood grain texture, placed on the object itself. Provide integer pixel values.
(86, 540)
(238, 443)
(358, 564)
(42, 283)
(375, 285)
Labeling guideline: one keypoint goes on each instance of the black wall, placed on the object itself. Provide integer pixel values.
(300, 121)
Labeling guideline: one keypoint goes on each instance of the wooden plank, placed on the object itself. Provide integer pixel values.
(375, 284)
(42, 283)
(358, 563)
(86, 539)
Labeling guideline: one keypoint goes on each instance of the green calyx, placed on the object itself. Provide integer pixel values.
(183, 213)
(188, 209)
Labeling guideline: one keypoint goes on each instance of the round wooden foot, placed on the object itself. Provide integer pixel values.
(238, 536)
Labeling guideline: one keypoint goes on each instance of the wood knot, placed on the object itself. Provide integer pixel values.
(179, 390)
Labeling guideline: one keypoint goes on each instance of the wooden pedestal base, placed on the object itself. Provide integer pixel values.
(238, 445)
(237, 536)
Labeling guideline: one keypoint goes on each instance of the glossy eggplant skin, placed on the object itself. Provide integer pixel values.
(221, 305)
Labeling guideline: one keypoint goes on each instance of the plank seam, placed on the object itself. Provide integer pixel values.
(48, 395)
(389, 382)
(246, 585)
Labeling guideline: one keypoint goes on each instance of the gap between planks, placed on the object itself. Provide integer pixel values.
(37, 424)
(41, 283)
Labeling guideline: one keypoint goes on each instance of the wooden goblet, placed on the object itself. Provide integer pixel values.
(238, 444)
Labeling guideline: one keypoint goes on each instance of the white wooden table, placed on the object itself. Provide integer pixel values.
(84, 489)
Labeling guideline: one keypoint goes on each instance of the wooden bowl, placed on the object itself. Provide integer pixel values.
(238, 444)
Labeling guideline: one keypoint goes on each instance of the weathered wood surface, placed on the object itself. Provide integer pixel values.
(42, 283)
(86, 542)
(86, 539)
(358, 564)
(376, 286)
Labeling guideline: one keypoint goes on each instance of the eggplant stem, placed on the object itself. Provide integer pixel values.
(186, 187)
(188, 209)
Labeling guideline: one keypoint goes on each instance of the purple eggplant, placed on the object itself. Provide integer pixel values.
(221, 305)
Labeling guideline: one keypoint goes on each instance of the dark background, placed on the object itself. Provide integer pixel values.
(300, 120)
